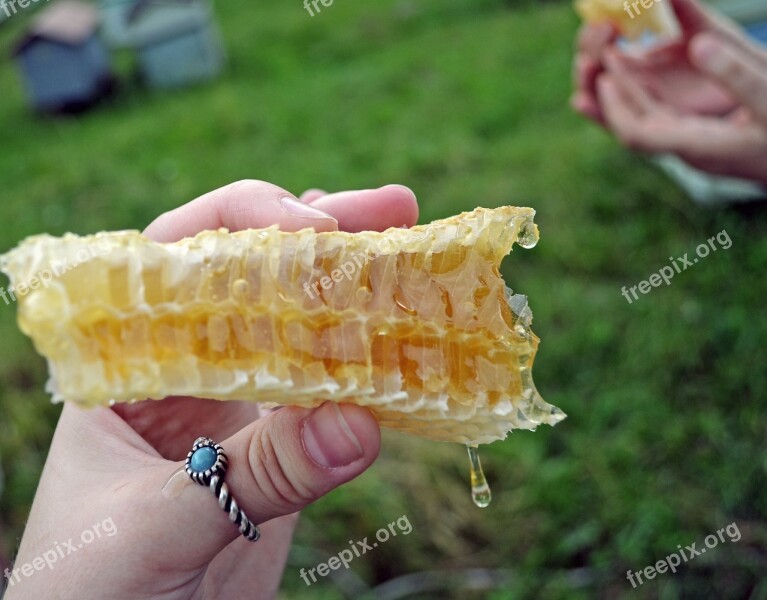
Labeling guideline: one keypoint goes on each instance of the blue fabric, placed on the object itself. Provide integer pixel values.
(56, 73)
(758, 31)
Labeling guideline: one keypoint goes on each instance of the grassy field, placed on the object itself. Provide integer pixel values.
(465, 101)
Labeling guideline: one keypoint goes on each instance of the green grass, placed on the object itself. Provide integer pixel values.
(466, 102)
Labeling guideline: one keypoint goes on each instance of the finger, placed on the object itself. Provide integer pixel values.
(584, 99)
(694, 18)
(277, 466)
(728, 149)
(582, 66)
(734, 69)
(628, 85)
(649, 66)
(587, 105)
(713, 145)
(619, 115)
(622, 114)
(242, 205)
(234, 573)
(592, 39)
(169, 424)
(642, 124)
(371, 210)
(232, 207)
(666, 55)
(586, 71)
(311, 195)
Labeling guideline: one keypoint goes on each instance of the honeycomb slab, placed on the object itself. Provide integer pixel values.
(631, 19)
(415, 324)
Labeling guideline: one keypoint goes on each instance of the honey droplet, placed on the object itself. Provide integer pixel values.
(401, 303)
(448, 304)
(528, 235)
(480, 491)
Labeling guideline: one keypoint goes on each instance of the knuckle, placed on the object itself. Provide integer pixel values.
(278, 485)
(245, 185)
(244, 190)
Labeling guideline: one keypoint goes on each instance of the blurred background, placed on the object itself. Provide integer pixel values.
(465, 101)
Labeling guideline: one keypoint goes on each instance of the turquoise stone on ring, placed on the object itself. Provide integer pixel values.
(203, 459)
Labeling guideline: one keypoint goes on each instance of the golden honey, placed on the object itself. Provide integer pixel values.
(415, 324)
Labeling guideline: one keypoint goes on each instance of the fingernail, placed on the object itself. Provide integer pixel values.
(709, 53)
(328, 439)
(305, 211)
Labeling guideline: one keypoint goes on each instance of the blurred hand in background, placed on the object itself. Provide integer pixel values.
(702, 96)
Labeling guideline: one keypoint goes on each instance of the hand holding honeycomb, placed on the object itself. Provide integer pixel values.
(415, 324)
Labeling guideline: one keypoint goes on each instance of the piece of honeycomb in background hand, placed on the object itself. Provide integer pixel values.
(630, 18)
(416, 324)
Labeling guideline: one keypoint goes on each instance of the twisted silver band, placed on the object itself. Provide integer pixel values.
(209, 469)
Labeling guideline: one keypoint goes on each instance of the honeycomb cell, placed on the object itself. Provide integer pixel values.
(415, 324)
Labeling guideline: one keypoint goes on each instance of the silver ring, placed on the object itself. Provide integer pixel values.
(206, 465)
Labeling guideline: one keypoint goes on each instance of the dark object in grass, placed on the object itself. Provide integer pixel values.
(64, 64)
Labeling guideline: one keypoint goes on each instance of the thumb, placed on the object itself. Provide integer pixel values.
(736, 70)
(276, 466)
